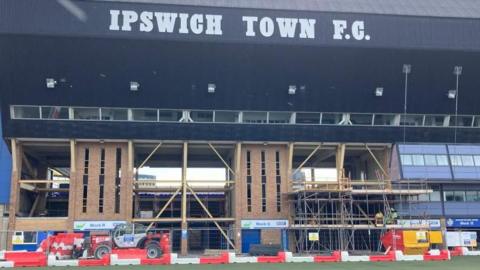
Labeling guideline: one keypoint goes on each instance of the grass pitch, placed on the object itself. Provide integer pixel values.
(460, 263)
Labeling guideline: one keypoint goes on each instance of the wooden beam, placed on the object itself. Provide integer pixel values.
(211, 217)
(149, 156)
(376, 161)
(306, 160)
(221, 158)
(165, 206)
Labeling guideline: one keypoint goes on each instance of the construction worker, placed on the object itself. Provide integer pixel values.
(379, 219)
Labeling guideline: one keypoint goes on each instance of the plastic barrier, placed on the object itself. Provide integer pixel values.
(399, 256)
(164, 260)
(52, 261)
(457, 251)
(299, 259)
(176, 260)
(347, 258)
(389, 257)
(114, 260)
(467, 252)
(232, 258)
(335, 257)
(443, 255)
(26, 259)
(95, 262)
(280, 258)
(130, 253)
(222, 259)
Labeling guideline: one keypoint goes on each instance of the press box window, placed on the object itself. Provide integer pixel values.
(279, 118)
(115, 114)
(86, 113)
(384, 120)
(169, 116)
(202, 116)
(226, 117)
(461, 121)
(434, 120)
(26, 112)
(361, 119)
(255, 117)
(307, 118)
(411, 120)
(144, 115)
(54, 112)
(331, 118)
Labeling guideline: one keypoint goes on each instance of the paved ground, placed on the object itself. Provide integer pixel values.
(458, 263)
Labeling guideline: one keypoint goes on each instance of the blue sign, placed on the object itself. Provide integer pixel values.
(464, 222)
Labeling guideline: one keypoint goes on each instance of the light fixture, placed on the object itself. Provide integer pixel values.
(134, 86)
(457, 70)
(292, 89)
(407, 68)
(379, 91)
(50, 82)
(211, 88)
(452, 94)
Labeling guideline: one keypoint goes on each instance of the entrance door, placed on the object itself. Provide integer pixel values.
(250, 237)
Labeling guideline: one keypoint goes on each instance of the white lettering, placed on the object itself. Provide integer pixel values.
(250, 23)
(339, 27)
(307, 28)
(267, 27)
(165, 21)
(146, 24)
(183, 23)
(358, 30)
(114, 20)
(196, 23)
(214, 25)
(287, 27)
(129, 17)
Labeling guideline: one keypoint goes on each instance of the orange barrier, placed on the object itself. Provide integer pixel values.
(280, 258)
(26, 259)
(335, 257)
(457, 251)
(130, 253)
(222, 259)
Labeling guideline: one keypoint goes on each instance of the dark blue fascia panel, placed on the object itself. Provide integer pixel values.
(422, 149)
(5, 171)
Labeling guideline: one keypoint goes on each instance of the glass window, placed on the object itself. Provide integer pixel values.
(411, 120)
(449, 196)
(86, 113)
(476, 122)
(430, 160)
(477, 160)
(467, 160)
(418, 160)
(279, 117)
(144, 115)
(169, 115)
(471, 196)
(202, 116)
(26, 112)
(406, 160)
(424, 197)
(461, 121)
(255, 117)
(361, 119)
(54, 112)
(442, 160)
(29, 237)
(226, 117)
(459, 196)
(114, 114)
(434, 120)
(307, 118)
(456, 160)
(384, 120)
(435, 196)
(331, 118)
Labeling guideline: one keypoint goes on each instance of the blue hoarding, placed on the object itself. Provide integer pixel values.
(463, 222)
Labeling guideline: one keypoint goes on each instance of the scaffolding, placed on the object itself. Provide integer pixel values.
(342, 213)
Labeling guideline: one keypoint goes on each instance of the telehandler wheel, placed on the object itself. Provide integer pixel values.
(101, 251)
(153, 250)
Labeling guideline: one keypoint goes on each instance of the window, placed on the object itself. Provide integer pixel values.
(279, 117)
(456, 160)
(424, 197)
(461, 121)
(118, 165)
(202, 116)
(86, 113)
(226, 117)
(435, 196)
(331, 118)
(467, 160)
(361, 119)
(477, 160)
(114, 114)
(255, 117)
(418, 160)
(278, 180)
(472, 196)
(101, 181)
(442, 160)
(434, 120)
(264, 182)
(55, 112)
(455, 196)
(169, 115)
(384, 120)
(406, 160)
(85, 180)
(26, 112)
(449, 196)
(430, 160)
(30, 237)
(411, 120)
(144, 115)
(249, 182)
(307, 118)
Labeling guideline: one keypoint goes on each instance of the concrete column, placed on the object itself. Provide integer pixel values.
(237, 198)
(73, 185)
(127, 183)
(184, 234)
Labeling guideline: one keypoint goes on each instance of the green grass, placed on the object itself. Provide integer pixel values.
(457, 263)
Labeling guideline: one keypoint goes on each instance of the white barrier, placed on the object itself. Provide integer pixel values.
(114, 260)
(301, 259)
(232, 258)
(52, 261)
(7, 264)
(347, 258)
(176, 260)
(399, 256)
(467, 252)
